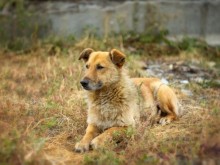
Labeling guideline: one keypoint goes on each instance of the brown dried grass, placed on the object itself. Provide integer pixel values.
(43, 114)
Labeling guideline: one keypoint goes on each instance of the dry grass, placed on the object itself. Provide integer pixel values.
(43, 114)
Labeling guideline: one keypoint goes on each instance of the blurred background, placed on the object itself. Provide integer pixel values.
(23, 21)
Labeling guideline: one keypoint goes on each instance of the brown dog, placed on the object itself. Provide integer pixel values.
(116, 101)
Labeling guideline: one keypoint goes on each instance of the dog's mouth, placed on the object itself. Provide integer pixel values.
(90, 86)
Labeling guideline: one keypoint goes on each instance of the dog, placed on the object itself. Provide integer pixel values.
(116, 101)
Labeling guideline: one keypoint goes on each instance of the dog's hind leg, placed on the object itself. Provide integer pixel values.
(170, 115)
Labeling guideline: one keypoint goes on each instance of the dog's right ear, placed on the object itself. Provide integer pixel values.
(85, 54)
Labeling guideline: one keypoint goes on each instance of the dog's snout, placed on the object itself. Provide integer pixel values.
(84, 82)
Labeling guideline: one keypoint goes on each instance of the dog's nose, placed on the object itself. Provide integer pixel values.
(84, 82)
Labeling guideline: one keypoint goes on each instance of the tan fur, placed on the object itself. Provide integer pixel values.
(116, 101)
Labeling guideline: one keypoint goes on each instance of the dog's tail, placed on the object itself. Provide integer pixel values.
(173, 105)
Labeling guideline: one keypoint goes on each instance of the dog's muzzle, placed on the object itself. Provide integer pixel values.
(88, 85)
(84, 83)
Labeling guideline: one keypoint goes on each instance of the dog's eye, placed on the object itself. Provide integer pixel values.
(87, 66)
(99, 67)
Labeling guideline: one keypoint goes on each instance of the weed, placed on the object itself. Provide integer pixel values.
(145, 159)
(38, 144)
(212, 83)
(130, 132)
(50, 123)
(187, 44)
(102, 157)
(7, 148)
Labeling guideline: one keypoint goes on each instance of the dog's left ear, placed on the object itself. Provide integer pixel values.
(117, 57)
(85, 54)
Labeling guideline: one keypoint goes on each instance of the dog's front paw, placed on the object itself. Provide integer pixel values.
(97, 143)
(82, 147)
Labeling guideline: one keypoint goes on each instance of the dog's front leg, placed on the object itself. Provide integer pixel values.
(114, 133)
(91, 132)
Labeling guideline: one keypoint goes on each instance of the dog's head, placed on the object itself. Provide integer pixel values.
(101, 68)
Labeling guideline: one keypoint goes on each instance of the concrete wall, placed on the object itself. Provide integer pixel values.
(196, 18)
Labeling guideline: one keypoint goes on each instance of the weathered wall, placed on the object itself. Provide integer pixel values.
(197, 18)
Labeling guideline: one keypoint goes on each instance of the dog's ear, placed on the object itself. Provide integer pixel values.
(117, 57)
(85, 54)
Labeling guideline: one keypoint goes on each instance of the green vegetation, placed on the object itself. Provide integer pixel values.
(103, 156)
